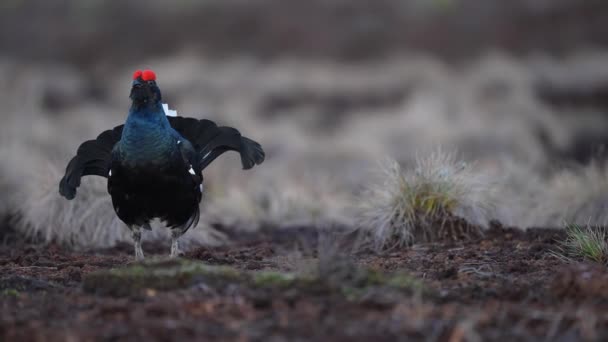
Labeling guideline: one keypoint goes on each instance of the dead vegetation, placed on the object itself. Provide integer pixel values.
(578, 195)
(440, 198)
(315, 173)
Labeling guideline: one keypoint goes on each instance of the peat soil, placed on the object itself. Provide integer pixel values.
(506, 285)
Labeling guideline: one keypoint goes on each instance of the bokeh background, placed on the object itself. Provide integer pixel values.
(329, 87)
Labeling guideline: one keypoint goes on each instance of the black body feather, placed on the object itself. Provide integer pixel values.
(169, 192)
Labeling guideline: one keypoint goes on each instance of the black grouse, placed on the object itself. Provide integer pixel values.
(154, 163)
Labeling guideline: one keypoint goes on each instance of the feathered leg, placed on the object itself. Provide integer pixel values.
(177, 232)
(136, 234)
(175, 235)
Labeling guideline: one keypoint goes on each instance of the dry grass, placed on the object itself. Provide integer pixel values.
(274, 199)
(578, 195)
(423, 204)
(488, 112)
(319, 259)
(330, 257)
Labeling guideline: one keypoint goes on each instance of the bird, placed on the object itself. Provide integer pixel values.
(154, 163)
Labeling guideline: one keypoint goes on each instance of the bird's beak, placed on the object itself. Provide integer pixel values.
(138, 92)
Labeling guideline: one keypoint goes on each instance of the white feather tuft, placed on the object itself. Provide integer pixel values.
(169, 112)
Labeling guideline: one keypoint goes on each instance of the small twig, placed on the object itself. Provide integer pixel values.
(36, 267)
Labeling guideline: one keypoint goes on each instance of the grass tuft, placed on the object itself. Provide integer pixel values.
(586, 243)
(441, 198)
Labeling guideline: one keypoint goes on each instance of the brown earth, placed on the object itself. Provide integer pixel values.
(507, 285)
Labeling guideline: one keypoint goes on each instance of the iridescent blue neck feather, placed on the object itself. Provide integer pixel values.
(147, 137)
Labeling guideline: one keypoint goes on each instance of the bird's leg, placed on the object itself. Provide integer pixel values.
(136, 234)
(175, 234)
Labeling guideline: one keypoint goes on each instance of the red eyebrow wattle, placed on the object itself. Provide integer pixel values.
(137, 74)
(148, 75)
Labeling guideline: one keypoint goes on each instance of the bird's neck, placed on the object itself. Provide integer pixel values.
(147, 135)
(148, 109)
(147, 117)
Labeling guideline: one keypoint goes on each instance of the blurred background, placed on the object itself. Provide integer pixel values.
(329, 87)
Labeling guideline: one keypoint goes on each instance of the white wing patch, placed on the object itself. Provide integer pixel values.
(110, 173)
(191, 171)
(169, 112)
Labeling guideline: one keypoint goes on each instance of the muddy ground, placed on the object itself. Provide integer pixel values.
(279, 285)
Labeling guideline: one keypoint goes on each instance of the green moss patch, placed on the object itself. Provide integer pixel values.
(273, 279)
(10, 293)
(166, 275)
(158, 275)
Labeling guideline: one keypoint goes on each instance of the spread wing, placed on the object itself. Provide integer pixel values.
(92, 158)
(210, 141)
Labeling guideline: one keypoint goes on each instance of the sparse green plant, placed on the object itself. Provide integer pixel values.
(585, 242)
(10, 293)
(441, 198)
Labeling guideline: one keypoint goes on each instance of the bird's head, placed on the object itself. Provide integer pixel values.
(144, 91)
